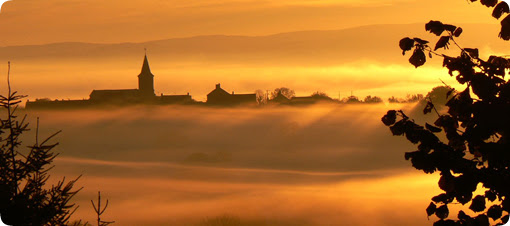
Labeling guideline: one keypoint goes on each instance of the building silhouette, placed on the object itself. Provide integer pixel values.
(313, 99)
(221, 97)
(146, 80)
(279, 99)
(143, 95)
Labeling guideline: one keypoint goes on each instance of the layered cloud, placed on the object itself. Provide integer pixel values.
(36, 22)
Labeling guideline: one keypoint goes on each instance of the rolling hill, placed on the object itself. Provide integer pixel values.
(372, 43)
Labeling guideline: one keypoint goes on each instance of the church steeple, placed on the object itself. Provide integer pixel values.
(146, 79)
(145, 67)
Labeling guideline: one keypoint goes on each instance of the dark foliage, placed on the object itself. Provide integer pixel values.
(477, 129)
(500, 8)
(24, 198)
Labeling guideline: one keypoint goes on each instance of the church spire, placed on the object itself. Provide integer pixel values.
(145, 67)
(146, 79)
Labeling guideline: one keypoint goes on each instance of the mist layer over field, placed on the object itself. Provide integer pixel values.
(317, 165)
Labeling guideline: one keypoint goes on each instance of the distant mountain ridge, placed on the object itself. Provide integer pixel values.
(316, 47)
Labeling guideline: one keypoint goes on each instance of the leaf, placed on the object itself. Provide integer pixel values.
(406, 44)
(464, 198)
(398, 129)
(501, 8)
(432, 128)
(421, 161)
(449, 27)
(435, 27)
(495, 212)
(420, 41)
(505, 28)
(450, 91)
(390, 118)
(413, 136)
(444, 223)
(473, 52)
(506, 204)
(466, 183)
(442, 42)
(483, 86)
(489, 3)
(478, 204)
(504, 219)
(463, 216)
(418, 58)
(442, 212)
(490, 195)
(498, 61)
(431, 209)
(457, 32)
(447, 122)
(459, 106)
(482, 220)
(446, 183)
(428, 108)
(444, 198)
(409, 155)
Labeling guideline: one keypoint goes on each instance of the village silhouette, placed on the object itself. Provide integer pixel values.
(145, 94)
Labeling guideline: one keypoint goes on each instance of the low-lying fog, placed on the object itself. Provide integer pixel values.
(171, 165)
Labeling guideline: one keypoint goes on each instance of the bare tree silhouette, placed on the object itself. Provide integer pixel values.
(100, 210)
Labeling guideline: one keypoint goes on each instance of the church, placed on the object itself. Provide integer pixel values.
(143, 95)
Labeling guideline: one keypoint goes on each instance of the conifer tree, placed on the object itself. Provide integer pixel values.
(25, 198)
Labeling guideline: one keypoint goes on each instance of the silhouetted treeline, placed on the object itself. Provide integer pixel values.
(408, 99)
(284, 95)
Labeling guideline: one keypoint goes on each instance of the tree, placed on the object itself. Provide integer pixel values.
(261, 97)
(393, 99)
(100, 210)
(500, 8)
(372, 99)
(320, 95)
(476, 126)
(351, 100)
(289, 93)
(24, 198)
(409, 99)
(413, 98)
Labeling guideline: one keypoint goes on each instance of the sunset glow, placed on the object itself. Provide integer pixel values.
(322, 162)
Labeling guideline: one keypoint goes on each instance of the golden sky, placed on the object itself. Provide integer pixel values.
(111, 21)
(367, 62)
